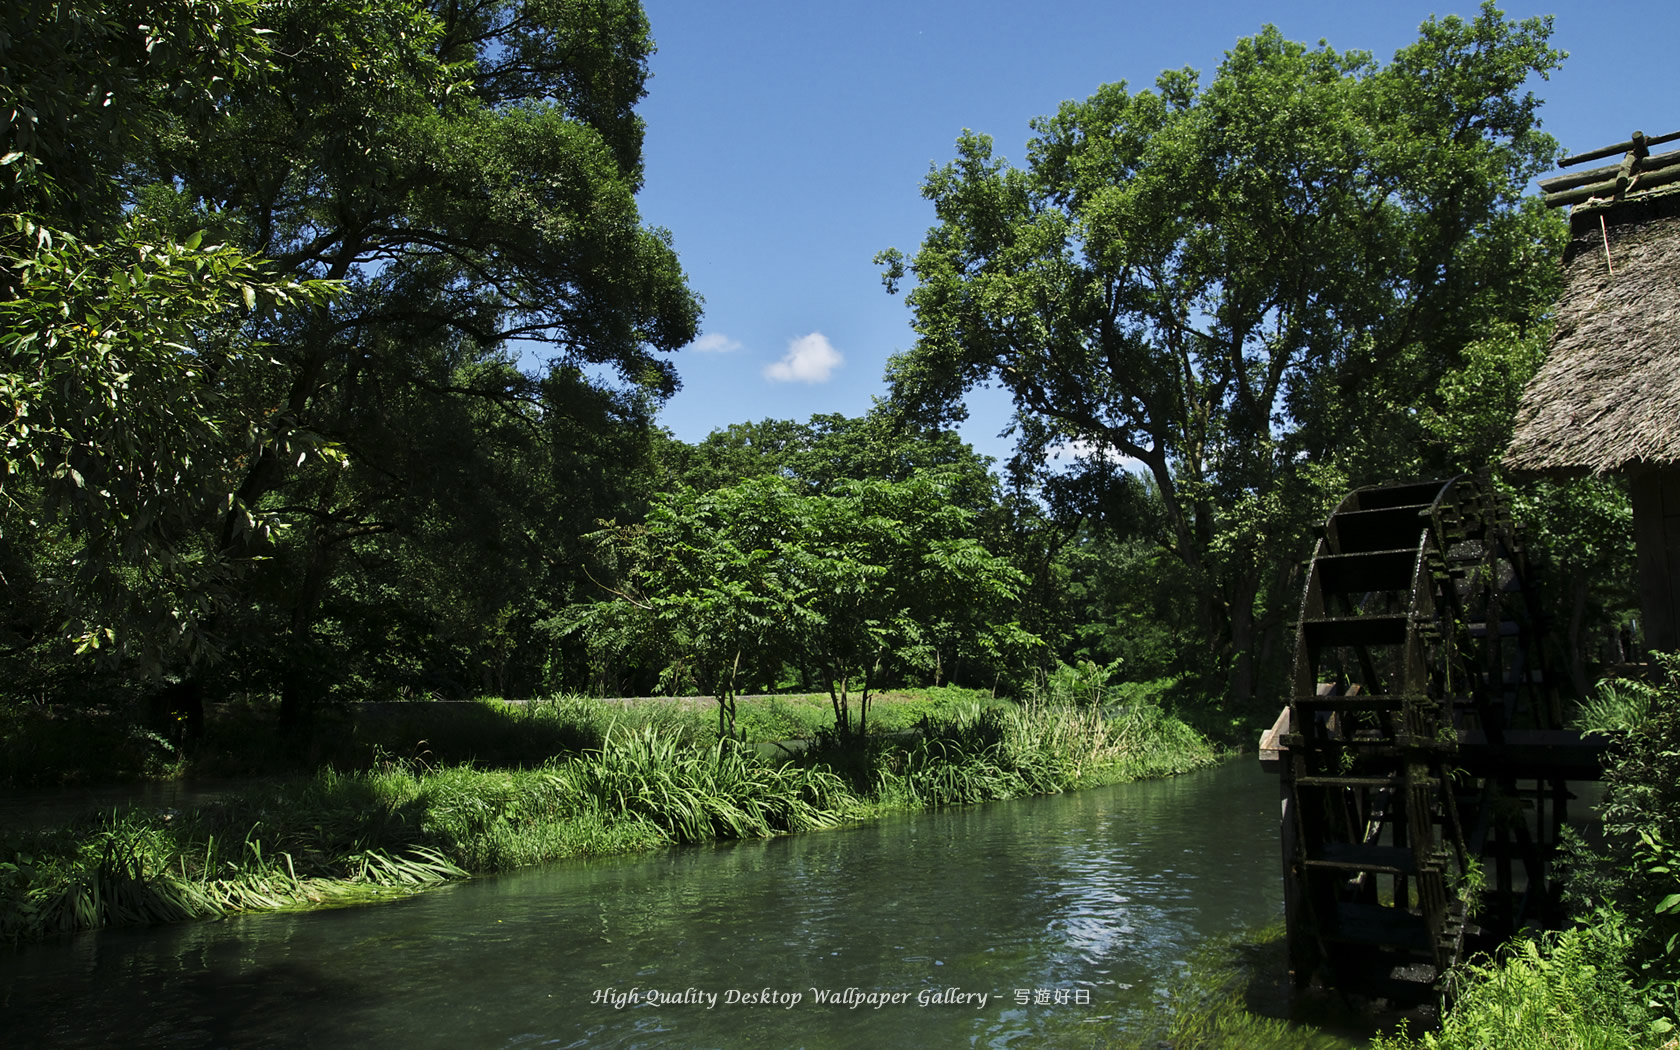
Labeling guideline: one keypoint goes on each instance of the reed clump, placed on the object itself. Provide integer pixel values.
(983, 753)
(691, 794)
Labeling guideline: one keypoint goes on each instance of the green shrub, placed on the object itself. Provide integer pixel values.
(1637, 876)
(1562, 991)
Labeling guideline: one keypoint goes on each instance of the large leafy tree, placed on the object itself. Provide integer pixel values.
(125, 344)
(1244, 288)
(463, 176)
(469, 174)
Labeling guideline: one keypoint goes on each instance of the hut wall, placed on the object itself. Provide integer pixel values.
(1656, 531)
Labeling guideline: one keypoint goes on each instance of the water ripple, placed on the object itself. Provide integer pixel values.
(1101, 894)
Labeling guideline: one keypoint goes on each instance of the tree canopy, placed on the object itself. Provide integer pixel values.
(462, 180)
(127, 344)
(1244, 288)
(862, 583)
(334, 345)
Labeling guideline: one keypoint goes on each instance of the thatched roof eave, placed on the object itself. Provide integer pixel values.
(1607, 398)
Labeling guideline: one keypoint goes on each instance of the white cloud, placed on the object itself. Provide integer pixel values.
(809, 359)
(715, 343)
(1089, 451)
(1081, 449)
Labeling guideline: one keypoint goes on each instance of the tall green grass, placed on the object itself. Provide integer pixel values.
(345, 837)
(136, 870)
(408, 822)
(981, 753)
(691, 794)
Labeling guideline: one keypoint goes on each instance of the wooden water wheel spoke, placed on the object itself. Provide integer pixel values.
(1418, 631)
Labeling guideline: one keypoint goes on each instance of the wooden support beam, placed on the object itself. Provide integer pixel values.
(1639, 141)
(1558, 183)
(1656, 537)
(1647, 180)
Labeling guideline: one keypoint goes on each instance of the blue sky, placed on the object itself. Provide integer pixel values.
(787, 143)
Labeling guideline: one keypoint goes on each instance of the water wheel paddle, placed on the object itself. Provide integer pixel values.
(1420, 632)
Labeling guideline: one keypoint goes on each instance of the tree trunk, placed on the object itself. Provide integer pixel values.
(1243, 677)
(298, 684)
(842, 717)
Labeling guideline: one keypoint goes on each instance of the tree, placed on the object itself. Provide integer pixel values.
(830, 448)
(281, 475)
(872, 580)
(126, 344)
(469, 174)
(1228, 285)
(895, 580)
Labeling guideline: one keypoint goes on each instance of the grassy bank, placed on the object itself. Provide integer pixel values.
(636, 778)
(72, 745)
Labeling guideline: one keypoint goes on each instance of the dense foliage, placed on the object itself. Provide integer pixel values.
(869, 581)
(334, 348)
(272, 272)
(1634, 881)
(1248, 288)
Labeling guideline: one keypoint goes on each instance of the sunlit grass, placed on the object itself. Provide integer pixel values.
(631, 779)
(981, 753)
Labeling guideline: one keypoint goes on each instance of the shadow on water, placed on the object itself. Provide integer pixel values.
(190, 985)
(1065, 921)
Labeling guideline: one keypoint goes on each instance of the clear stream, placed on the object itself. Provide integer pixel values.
(1085, 905)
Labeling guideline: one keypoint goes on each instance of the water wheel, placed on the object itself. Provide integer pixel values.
(1419, 630)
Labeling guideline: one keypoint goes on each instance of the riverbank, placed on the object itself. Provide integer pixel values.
(1102, 893)
(634, 782)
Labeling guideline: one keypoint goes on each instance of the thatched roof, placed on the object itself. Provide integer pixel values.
(1608, 396)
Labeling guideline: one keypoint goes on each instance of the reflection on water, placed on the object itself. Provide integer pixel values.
(1096, 896)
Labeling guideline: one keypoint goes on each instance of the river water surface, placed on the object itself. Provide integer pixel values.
(1040, 922)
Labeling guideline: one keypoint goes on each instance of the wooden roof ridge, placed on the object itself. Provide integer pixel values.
(1639, 172)
(1607, 397)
